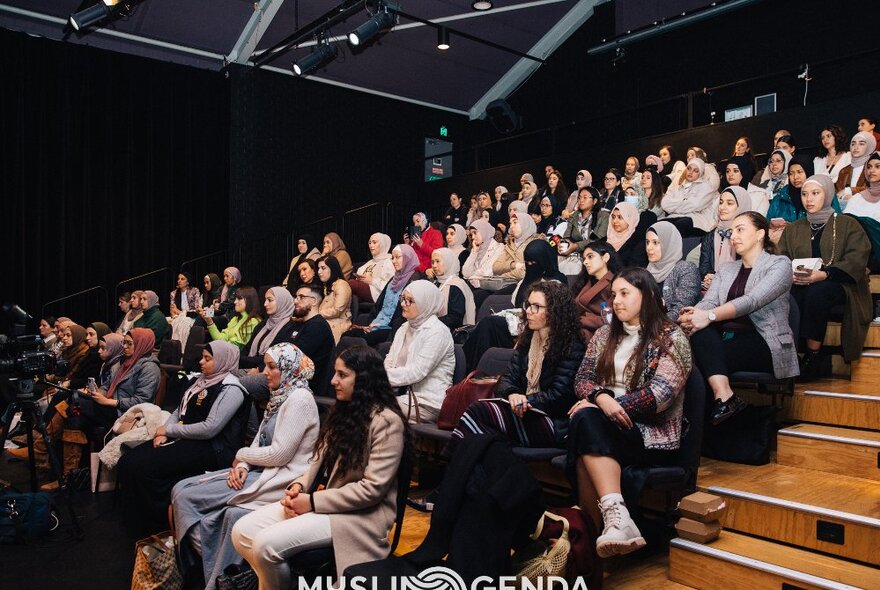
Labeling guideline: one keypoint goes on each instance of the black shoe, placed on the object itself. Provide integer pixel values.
(426, 504)
(810, 366)
(725, 409)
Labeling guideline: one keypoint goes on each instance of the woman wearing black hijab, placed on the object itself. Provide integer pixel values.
(307, 249)
(739, 171)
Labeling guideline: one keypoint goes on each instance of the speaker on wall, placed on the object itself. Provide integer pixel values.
(502, 116)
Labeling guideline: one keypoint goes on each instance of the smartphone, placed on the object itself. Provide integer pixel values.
(92, 386)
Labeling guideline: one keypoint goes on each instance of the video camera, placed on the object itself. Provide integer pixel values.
(23, 357)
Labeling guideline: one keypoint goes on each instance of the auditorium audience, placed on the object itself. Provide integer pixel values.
(593, 286)
(429, 240)
(186, 297)
(716, 247)
(631, 385)
(457, 306)
(348, 497)
(306, 248)
(335, 247)
(456, 212)
(833, 153)
(690, 207)
(421, 360)
(586, 223)
(739, 172)
(509, 264)
(202, 434)
(626, 234)
(678, 279)
(851, 179)
(336, 305)
(370, 278)
(742, 323)
(134, 313)
(206, 506)
(247, 316)
(843, 250)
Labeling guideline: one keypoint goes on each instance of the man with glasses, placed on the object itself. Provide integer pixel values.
(313, 335)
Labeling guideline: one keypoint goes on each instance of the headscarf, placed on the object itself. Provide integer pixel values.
(424, 219)
(215, 283)
(872, 145)
(296, 370)
(100, 328)
(631, 216)
(498, 205)
(428, 299)
(515, 208)
(113, 352)
(724, 252)
(226, 357)
(336, 243)
(236, 274)
(699, 163)
(450, 278)
(78, 349)
(872, 193)
(782, 176)
(152, 299)
(284, 304)
(822, 215)
(144, 341)
(487, 232)
(384, 246)
(670, 250)
(655, 161)
(309, 239)
(746, 167)
(528, 227)
(545, 266)
(407, 268)
(460, 238)
(587, 180)
(533, 190)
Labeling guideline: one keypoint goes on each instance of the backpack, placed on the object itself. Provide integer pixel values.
(25, 517)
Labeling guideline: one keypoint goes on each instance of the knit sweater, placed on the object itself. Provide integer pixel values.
(237, 332)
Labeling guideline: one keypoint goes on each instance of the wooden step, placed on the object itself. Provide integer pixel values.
(835, 514)
(739, 562)
(867, 369)
(832, 335)
(840, 386)
(840, 409)
(844, 451)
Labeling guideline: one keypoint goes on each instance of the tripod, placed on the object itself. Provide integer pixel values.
(32, 419)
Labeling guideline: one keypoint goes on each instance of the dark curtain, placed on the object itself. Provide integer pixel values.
(110, 166)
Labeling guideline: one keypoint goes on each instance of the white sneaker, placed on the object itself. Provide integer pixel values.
(621, 535)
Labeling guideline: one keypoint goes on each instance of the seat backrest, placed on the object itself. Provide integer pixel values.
(170, 352)
(348, 342)
(196, 335)
(794, 317)
(383, 347)
(460, 371)
(495, 361)
(695, 414)
(688, 244)
(354, 305)
(491, 304)
(192, 354)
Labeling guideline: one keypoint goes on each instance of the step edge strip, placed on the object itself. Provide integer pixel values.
(751, 562)
(831, 438)
(852, 396)
(816, 510)
(872, 355)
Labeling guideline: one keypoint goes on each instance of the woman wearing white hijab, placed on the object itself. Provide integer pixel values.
(371, 278)
(691, 207)
(716, 248)
(679, 280)
(457, 308)
(509, 263)
(456, 238)
(422, 355)
(484, 251)
(852, 178)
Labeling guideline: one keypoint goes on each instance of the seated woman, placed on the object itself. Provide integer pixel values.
(226, 309)
(547, 220)
(207, 506)
(672, 166)
(716, 247)
(852, 178)
(201, 435)
(213, 285)
(678, 279)
(110, 349)
(710, 174)
(586, 223)
(153, 317)
(457, 300)
(776, 174)
(134, 313)
(274, 329)
(844, 250)
(47, 332)
(739, 172)
(422, 355)
(82, 361)
(335, 247)
(457, 212)
(742, 322)
(242, 324)
(484, 251)
(308, 275)
(593, 287)
(833, 155)
(690, 207)
(626, 234)
(95, 332)
(348, 498)
(369, 280)
(509, 263)
(428, 240)
(186, 297)
(539, 377)
(387, 315)
(456, 240)
(611, 193)
(336, 305)
(631, 385)
(307, 249)
(865, 207)
(653, 187)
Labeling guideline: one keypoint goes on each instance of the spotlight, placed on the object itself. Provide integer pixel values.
(482, 5)
(320, 56)
(95, 14)
(442, 38)
(370, 29)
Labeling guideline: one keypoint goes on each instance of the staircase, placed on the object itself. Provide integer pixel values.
(811, 519)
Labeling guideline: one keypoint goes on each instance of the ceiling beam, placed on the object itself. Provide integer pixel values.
(264, 12)
(546, 45)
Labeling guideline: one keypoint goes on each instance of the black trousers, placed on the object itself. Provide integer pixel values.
(490, 332)
(592, 433)
(373, 337)
(815, 302)
(746, 351)
(685, 226)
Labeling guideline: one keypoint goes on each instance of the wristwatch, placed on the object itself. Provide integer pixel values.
(712, 316)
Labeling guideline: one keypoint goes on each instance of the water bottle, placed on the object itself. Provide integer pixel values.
(607, 313)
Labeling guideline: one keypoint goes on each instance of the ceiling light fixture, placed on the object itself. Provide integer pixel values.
(323, 54)
(365, 33)
(482, 5)
(442, 38)
(94, 14)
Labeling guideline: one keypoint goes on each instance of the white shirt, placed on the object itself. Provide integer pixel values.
(861, 208)
(624, 351)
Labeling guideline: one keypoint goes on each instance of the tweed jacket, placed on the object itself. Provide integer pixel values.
(766, 303)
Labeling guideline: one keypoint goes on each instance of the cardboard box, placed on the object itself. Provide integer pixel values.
(698, 532)
(702, 507)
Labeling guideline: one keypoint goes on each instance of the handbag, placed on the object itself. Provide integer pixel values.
(237, 577)
(580, 534)
(554, 560)
(571, 264)
(463, 394)
(155, 564)
(25, 517)
(103, 478)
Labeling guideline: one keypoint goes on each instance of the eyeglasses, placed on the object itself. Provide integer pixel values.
(301, 297)
(610, 178)
(407, 301)
(533, 307)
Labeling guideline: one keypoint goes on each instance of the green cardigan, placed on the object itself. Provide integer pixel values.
(155, 320)
(851, 256)
(232, 333)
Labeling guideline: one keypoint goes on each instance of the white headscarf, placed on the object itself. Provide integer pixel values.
(427, 298)
(450, 278)
(384, 246)
(262, 340)
(528, 227)
(670, 250)
(460, 238)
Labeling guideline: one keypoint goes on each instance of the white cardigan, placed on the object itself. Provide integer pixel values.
(697, 200)
(296, 432)
(429, 365)
(473, 272)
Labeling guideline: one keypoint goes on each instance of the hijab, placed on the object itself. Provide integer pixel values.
(746, 167)
(670, 250)
(428, 299)
(460, 238)
(408, 266)
(236, 274)
(78, 349)
(782, 176)
(113, 352)
(515, 208)
(793, 193)
(152, 300)
(631, 216)
(500, 202)
(725, 252)
(450, 278)
(487, 233)
(336, 243)
(701, 166)
(100, 328)
(144, 341)
(384, 246)
(533, 191)
(215, 283)
(872, 193)
(872, 145)
(528, 227)
(226, 357)
(262, 340)
(821, 216)
(542, 263)
(296, 370)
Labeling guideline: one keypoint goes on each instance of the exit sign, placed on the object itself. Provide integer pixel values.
(444, 132)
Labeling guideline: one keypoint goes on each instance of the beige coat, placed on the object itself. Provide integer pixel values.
(336, 308)
(363, 504)
(505, 264)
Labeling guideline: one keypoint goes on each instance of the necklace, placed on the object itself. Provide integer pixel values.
(816, 228)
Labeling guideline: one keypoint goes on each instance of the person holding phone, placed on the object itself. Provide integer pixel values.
(424, 239)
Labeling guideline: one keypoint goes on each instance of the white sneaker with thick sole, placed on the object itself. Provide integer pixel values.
(621, 535)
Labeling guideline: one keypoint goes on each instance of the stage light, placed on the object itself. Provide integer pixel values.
(482, 5)
(442, 38)
(321, 55)
(370, 29)
(95, 14)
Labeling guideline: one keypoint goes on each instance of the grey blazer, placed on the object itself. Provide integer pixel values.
(765, 302)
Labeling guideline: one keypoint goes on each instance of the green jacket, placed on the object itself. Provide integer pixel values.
(238, 331)
(155, 320)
